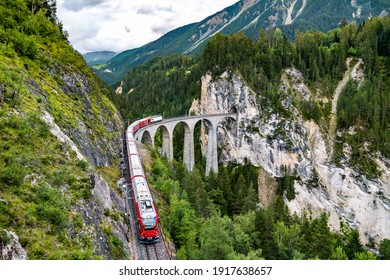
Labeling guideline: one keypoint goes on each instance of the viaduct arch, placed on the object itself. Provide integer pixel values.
(167, 127)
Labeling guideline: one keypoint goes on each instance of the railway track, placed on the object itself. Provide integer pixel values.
(156, 251)
(151, 252)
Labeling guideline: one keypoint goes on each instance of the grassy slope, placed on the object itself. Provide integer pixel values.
(41, 179)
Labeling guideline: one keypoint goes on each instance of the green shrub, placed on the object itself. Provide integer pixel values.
(13, 174)
(4, 238)
(310, 110)
(78, 222)
(23, 44)
(82, 255)
(52, 206)
(7, 49)
(82, 164)
(384, 249)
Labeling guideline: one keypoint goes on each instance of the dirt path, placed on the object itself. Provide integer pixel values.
(336, 95)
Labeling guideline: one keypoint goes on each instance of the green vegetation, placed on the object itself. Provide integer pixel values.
(42, 182)
(286, 184)
(168, 85)
(161, 86)
(116, 245)
(322, 60)
(384, 249)
(319, 15)
(4, 238)
(34, 169)
(218, 217)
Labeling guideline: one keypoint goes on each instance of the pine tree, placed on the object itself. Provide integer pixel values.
(211, 181)
(265, 234)
(182, 220)
(239, 201)
(280, 210)
(224, 185)
(338, 254)
(215, 238)
(250, 200)
(320, 238)
(288, 240)
(240, 191)
(353, 244)
(384, 249)
(216, 196)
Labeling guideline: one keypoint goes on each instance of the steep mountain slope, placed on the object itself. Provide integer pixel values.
(343, 191)
(59, 137)
(248, 16)
(328, 134)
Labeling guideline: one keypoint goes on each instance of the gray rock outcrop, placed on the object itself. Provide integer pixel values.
(10, 247)
(271, 140)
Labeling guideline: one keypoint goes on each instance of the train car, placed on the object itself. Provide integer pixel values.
(146, 211)
(157, 118)
(144, 122)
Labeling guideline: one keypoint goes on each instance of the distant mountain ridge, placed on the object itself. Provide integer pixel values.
(249, 16)
(99, 57)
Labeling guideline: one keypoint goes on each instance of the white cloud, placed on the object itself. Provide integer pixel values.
(119, 25)
(76, 5)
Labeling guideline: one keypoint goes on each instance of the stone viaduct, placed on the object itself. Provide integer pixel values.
(167, 127)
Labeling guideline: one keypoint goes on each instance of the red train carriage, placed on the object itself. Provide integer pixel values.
(144, 122)
(147, 216)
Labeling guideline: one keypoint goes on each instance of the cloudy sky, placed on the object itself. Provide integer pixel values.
(118, 25)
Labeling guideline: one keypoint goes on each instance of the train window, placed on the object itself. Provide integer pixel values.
(149, 223)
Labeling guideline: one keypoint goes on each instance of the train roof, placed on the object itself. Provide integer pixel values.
(129, 129)
(132, 148)
(141, 189)
(147, 209)
(135, 166)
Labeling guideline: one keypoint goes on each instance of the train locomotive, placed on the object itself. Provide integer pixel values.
(146, 211)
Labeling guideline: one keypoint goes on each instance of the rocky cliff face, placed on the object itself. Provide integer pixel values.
(95, 138)
(272, 140)
(60, 138)
(59, 158)
(10, 248)
(102, 219)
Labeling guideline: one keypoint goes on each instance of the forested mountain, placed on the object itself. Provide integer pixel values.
(59, 136)
(163, 85)
(248, 16)
(168, 85)
(314, 118)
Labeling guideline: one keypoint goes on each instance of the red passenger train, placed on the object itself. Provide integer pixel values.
(145, 209)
